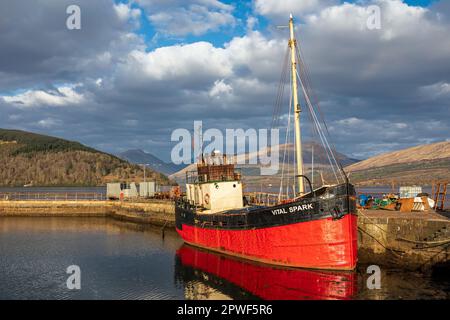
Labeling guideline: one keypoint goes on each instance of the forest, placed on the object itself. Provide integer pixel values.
(28, 158)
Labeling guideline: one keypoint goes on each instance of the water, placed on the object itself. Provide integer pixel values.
(126, 261)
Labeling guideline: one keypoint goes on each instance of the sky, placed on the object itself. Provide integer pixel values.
(139, 69)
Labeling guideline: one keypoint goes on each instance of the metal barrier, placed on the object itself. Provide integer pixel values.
(52, 196)
(263, 198)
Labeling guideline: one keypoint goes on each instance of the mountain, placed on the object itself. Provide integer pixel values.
(49, 161)
(421, 165)
(251, 172)
(138, 156)
(320, 156)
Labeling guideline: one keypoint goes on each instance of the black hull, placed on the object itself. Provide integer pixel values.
(333, 202)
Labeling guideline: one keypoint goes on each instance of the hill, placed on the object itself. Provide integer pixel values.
(138, 156)
(422, 165)
(49, 161)
(251, 173)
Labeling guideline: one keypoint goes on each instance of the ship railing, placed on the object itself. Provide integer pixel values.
(52, 196)
(265, 198)
(377, 194)
(186, 204)
(192, 177)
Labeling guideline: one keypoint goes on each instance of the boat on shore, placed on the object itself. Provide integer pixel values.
(315, 228)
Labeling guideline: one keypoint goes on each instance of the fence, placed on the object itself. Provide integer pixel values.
(52, 196)
(262, 198)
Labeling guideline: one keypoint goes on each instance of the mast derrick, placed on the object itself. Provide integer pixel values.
(298, 141)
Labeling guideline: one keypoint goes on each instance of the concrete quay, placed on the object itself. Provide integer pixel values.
(154, 212)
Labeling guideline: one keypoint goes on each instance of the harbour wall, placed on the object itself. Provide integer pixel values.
(413, 240)
(409, 240)
(155, 212)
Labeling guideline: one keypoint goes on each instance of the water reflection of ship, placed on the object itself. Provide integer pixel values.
(208, 275)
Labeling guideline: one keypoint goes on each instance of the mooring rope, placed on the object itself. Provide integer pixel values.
(430, 243)
(394, 251)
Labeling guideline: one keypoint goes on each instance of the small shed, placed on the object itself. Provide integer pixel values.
(123, 190)
(147, 189)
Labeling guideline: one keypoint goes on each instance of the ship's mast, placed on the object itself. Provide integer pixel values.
(297, 109)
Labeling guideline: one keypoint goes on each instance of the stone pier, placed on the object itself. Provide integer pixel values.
(155, 212)
(417, 240)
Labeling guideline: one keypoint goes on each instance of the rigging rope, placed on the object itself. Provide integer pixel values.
(287, 139)
(318, 127)
(319, 131)
(311, 93)
(306, 88)
(280, 92)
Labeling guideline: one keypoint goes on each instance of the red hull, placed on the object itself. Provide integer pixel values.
(272, 283)
(317, 244)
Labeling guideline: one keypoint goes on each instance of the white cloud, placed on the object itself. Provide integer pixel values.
(350, 122)
(131, 122)
(125, 12)
(251, 23)
(38, 51)
(280, 10)
(383, 128)
(260, 56)
(437, 90)
(15, 117)
(220, 88)
(363, 138)
(349, 59)
(49, 123)
(398, 19)
(179, 18)
(62, 96)
(190, 63)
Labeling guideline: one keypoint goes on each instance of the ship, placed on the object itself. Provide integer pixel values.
(315, 228)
